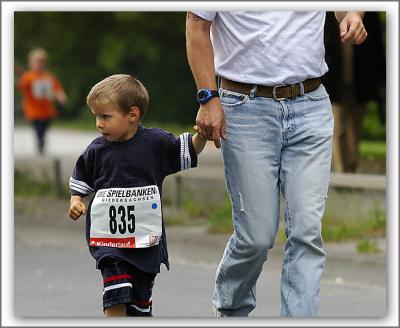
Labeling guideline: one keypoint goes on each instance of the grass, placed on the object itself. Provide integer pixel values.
(373, 150)
(220, 221)
(26, 186)
(367, 246)
(373, 225)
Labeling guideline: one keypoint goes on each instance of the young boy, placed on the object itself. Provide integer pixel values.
(124, 169)
(39, 89)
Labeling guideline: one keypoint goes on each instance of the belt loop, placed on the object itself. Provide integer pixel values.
(218, 82)
(301, 89)
(253, 91)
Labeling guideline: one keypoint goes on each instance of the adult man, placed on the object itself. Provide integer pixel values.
(276, 122)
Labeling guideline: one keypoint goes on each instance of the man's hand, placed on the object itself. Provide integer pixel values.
(351, 27)
(210, 121)
(77, 208)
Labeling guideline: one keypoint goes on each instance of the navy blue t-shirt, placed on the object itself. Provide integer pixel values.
(146, 159)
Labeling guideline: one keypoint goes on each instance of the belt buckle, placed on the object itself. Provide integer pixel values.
(274, 92)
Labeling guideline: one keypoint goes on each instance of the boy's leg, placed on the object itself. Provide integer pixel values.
(141, 305)
(117, 292)
(118, 310)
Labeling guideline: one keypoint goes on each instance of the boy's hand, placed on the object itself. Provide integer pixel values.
(76, 209)
(197, 130)
(198, 141)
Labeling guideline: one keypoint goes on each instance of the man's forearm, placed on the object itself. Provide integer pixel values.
(200, 52)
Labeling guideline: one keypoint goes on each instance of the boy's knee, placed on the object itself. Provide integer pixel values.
(117, 310)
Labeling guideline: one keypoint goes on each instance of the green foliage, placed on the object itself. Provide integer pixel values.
(219, 221)
(26, 185)
(367, 246)
(372, 149)
(373, 128)
(85, 47)
(372, 225)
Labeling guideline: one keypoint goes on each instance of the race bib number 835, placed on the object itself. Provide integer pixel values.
(126, 217)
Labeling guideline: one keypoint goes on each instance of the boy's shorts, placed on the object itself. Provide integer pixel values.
(126, 284)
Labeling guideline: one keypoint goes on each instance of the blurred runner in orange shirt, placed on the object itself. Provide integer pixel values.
(39, 90)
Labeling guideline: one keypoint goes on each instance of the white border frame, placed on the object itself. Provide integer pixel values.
(7, 232)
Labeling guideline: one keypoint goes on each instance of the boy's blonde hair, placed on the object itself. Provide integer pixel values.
(122, 90)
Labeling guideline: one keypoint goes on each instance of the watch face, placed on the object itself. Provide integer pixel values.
(202, 95)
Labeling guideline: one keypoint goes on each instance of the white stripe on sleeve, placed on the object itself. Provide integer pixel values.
(186, 160)
(80, 186)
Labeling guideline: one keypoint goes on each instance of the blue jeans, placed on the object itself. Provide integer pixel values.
(275, 146)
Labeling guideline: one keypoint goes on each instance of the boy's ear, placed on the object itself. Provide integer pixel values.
(134, 113)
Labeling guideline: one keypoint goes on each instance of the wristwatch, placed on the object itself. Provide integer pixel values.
(204, 95)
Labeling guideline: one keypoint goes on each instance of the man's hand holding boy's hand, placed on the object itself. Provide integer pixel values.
(77, 208)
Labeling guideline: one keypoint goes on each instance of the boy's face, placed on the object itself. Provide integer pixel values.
(115, 125)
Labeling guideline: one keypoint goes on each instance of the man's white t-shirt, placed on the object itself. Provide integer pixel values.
(267, 47)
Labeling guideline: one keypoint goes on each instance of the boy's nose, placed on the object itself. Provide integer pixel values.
(99, 124)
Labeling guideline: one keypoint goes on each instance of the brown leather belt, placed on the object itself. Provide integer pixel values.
(278, 92)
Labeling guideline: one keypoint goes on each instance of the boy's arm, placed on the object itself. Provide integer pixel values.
(198, 143)
(79, 185)
(77, 207)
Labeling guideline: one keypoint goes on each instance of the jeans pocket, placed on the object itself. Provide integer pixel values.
(231, 98)
(317, 94)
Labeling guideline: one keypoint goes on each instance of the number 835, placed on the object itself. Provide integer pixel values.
(126, 217)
